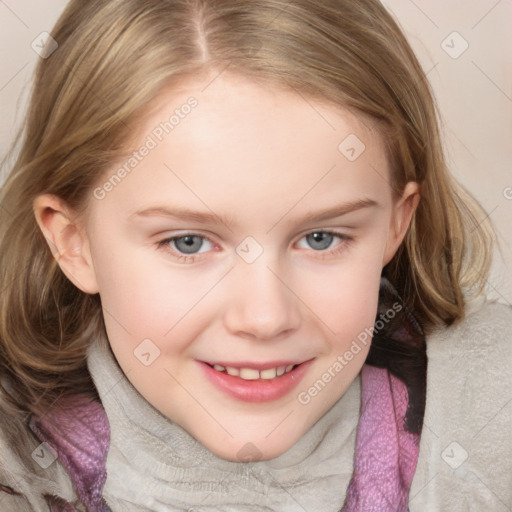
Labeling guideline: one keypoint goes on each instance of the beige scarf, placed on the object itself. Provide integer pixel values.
(154, 464)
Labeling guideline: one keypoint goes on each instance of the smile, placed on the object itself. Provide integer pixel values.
(256, 384)
(253, 374)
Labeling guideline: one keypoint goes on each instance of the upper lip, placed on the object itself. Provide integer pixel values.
(253, 365)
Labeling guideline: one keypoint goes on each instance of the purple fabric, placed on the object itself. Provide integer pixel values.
(386, 453)
(77, 429)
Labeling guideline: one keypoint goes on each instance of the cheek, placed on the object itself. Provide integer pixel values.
(347, 300)
(140, 294)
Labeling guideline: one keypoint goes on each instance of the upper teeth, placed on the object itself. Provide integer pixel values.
(252, 374)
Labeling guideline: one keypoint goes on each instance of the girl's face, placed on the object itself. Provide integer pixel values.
(249, 229)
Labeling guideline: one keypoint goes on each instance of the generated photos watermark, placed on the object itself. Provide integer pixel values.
(156, 136)
(342, 360)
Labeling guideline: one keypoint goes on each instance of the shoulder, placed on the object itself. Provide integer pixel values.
(474, 356)
(481, 341)
(28, 469)
(486, 322)
(468, 413)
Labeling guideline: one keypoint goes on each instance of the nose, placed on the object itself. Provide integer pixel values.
(261, 304)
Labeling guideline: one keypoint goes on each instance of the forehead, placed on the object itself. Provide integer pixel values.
(230, 141)
(235, 107)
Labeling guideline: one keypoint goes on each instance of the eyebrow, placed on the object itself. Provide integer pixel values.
(230, 220)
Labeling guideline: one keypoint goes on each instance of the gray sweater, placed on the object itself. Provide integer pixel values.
(465, 460)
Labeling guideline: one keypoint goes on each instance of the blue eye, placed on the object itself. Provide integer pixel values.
(185, 245)
(322, 241)
(188, 244)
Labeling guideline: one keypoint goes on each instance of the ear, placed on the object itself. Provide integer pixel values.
(67, 241)
(403, 211)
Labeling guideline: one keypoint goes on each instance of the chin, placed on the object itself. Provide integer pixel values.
(247, 451)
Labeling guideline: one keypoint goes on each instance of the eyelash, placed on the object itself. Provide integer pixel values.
(345, 241)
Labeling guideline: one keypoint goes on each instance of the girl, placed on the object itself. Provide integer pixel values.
(229, 246)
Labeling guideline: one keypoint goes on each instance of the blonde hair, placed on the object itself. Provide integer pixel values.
(114, 60)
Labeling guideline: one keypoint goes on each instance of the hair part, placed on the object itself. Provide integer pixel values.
(114, 61)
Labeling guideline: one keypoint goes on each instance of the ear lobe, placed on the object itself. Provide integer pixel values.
(67, 241)
(401, 218)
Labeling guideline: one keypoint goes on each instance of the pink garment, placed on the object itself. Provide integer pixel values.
(78, 430)
(386, 453)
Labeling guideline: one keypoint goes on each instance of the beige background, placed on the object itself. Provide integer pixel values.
(473, 89)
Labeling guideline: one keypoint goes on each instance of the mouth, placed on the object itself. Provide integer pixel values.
(250, 382)
(246, 373)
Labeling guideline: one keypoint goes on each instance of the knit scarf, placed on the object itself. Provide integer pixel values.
(393, 393)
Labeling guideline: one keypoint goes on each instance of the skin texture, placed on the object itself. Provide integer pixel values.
(264, 158)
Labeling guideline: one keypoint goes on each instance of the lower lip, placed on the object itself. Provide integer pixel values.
(259, 390)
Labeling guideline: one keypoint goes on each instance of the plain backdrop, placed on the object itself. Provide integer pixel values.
(464, 46)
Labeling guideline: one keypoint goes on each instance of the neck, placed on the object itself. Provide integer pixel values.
(152, 458)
